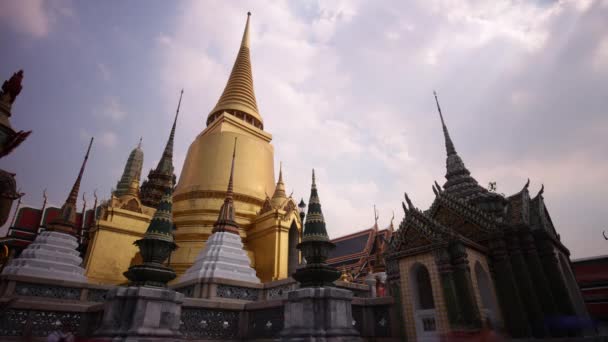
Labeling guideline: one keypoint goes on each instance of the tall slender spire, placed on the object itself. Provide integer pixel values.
(314, 229)
(73, 196)
(449, 145)
(459, 181)
(279, 196)
(230, 190)
(66, 222)
(165, 164)
(129, 181)
(161, 179)
(226, 219)
(245, 40)
(238, 97)
(454, 164)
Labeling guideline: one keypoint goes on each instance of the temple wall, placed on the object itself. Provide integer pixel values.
(407, 297)
(474, 257)
(111, 247)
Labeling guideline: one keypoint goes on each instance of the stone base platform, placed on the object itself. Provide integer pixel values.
(140, 313)
(318, 315)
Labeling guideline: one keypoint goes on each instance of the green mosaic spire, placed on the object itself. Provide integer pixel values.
(161, 225)
(155, 247)
(314, 229)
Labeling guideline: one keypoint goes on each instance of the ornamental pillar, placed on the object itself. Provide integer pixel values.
(464, 286)
(561, 295)
(542, 289)
(525, 287)
(513, 312)
(446, 277)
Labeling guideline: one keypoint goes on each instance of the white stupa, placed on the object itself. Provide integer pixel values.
(223, 255)
(53, 254)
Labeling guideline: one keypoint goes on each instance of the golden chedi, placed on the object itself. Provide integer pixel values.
(270, 227)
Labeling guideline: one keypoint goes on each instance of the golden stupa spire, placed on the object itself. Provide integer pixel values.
(279, 196)
(238, 97)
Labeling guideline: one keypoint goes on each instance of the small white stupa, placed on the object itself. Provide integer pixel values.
(223, 255)
(53, 254)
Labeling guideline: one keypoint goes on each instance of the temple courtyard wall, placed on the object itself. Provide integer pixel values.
(216, 309)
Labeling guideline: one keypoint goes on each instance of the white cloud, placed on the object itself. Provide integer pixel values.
(112, 109)
(359, 110)
(600, 56)
(26, 16)
(104, 71)
(108, 139)
(34, 17)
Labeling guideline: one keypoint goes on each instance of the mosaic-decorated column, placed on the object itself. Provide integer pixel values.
(446, 276)
(542, 289)
(393, 280)
(526, 289)
(464, 286)
(513, 312)
(563, 302)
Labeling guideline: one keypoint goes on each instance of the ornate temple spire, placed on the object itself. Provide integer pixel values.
(129, 181)
(454, 164)
(238, 97)
(155, 247)
(279, 196)
(66, 221)
(226, 219)
(315, 246)
(459, 181)
(449, 145)
(165, 164)
(160, 180)
(73, 196)
(376, 217)
(314, 228)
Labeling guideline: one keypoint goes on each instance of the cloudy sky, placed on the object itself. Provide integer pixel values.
(343, 86)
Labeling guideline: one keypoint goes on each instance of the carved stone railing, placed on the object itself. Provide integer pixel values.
(217, 309)
(13, 286)
(241, 290)
(34, 308)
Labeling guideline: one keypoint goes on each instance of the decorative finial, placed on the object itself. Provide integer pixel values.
(435, 190)
(139, 144)
(245, 41)
(12, 87)
(375, 217)
(438, 186)
(604, 234)
(527, 184)
(449, 145)
(44, 195)
(542, 190)
(404, 208)
(73, 196)
(408, 201)
(314, 184)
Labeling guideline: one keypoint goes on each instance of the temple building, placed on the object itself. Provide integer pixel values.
(268, 219)
(476, 258)
(360, 256)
